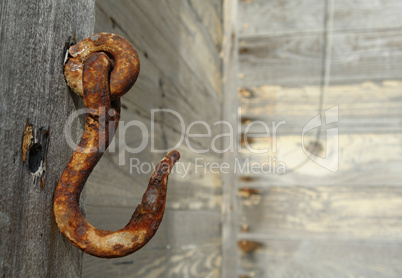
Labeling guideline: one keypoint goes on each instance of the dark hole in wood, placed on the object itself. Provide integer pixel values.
(244, 50)
(38, 151)
(35, 157)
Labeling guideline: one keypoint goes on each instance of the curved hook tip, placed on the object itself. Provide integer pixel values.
(173, 155)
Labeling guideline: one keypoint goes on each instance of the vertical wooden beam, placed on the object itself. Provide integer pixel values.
(35, 104)
(230, 112)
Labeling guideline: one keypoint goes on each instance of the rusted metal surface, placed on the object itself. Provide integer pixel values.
(125, 70)
(103, 113)
(26, 140)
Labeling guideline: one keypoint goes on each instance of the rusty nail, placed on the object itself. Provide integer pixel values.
(248, 192)
(249, 246)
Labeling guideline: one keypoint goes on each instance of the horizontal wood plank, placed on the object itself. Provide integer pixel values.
(268, 18)
(367, 15)
(283, 60)
(322, 213)
(362, 108)
(310, 259)
(364, 159)
(261, 17)
(297, 60)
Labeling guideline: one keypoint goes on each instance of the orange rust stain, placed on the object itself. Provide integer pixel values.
(27, 140)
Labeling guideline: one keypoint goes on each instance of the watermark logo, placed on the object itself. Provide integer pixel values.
(218, 137)
(330, 160)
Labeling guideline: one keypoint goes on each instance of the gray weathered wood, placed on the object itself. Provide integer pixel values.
(364, 159)
(267, 18)
(363, 108)
(179, 43)
(333, 213)
(297, 59)
(291, 60)
(261, 17)
(33, 36)
(323, 259)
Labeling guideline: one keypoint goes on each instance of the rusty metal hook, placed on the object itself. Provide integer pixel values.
(87, 73)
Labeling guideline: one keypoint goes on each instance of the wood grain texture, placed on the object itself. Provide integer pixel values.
(295, 62)
(283, 60)
(261, 18)
(179, 44)
(367, 15)
(364, 159)
(297, 59)
(368, 128)
(184, 246)
(363, 108)
(324, 213)
(267, 18)
(33, 36)
(322, 259)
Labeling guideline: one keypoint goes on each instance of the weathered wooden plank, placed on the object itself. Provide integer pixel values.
(267, 18)
(373, 56)
(320, 213)
(297, 60)
(260, 17)
(366, 15)
(33, 37)
(326, 259)
(184, 246)
(362, 108)
(282, 60)
(364, 159)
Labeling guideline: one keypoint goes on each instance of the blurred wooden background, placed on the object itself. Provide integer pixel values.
(296, 59)
(179, 44)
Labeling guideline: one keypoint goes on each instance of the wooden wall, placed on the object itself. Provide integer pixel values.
(35, 104)
(296, 60)
(179, 44)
